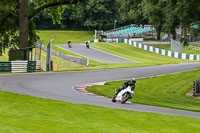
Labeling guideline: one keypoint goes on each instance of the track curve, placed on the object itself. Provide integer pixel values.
(95, 54)
(58, 85)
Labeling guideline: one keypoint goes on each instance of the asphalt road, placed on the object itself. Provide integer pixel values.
(59, 86)
(95, 54)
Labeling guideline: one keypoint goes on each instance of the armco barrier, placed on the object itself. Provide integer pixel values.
(20, 66)
(68, 57)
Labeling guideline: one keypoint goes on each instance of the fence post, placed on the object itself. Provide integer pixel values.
(48, 60)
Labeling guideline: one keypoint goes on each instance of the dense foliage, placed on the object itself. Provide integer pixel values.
(96, 14)
(164, 15)
(17, 28)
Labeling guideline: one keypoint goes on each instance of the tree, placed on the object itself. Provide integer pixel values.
(188, 12)
(153, 10)
(181, 13)
(171, 17)
(131, 11)
(16, 19)
(100, 14)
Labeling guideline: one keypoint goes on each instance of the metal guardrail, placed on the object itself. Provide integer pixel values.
(195, 47)
(196, 87)
(69, 58)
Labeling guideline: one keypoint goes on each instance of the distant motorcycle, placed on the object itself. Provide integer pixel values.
(87, 44)
(69, 44)
(124, 95)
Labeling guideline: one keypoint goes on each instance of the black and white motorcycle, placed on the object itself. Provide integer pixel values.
(87, 44)
(124, 95)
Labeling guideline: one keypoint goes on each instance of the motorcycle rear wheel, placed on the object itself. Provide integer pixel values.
(125, 97)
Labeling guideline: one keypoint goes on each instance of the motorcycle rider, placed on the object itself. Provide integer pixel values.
(130, 83)
(69, 43)
(87, 44)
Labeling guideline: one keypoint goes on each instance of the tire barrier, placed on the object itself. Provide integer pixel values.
(20, 66)
(196, 87)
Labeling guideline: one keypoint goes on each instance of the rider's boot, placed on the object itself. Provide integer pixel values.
(113, 98)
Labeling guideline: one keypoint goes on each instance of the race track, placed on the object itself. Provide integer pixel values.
(59, 85)
(95, 54)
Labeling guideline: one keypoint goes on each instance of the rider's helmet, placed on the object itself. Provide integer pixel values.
(133, 80)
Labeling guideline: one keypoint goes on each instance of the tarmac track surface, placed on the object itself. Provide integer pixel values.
(95, 54)
(59, 86)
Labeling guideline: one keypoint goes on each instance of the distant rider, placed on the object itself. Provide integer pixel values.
(87, 44)
(130, 83)
(69, 43)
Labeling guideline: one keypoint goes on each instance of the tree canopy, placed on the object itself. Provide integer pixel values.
(162, 14)
(18, 18)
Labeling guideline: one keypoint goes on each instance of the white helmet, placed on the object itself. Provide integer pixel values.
(133, 80)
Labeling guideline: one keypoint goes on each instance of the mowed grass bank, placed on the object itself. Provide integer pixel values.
(76, 37)
(4, 56)
(61, 37)
(26, 114)
(142, 56)
(124, 50)
(165, 91)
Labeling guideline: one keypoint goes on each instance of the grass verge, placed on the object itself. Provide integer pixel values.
(130, 52)
(61, 37)
(27, 114)
(165, 91)
(4, 56)
(124, 50)
(59, 64)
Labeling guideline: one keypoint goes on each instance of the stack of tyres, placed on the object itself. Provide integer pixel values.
(5, 66)
(196, 87)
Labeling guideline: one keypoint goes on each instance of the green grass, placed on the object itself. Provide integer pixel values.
(165, 91)
(145, 58)
(93, 63)
(4, 57)
(124, 50)
(59, 64)
(61, 37)
(185, 48)
(130, 52)
(26, 114)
